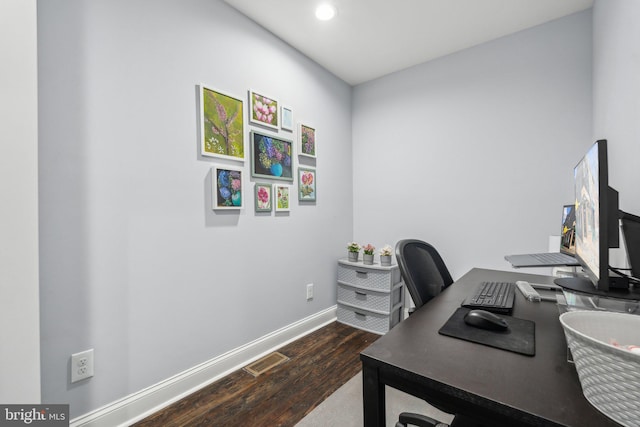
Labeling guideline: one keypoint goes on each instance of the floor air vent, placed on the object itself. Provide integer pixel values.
(261, 366)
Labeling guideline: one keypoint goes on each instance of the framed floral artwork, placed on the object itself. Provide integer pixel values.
(307, 138)
(281, 196)
(263, 110)
(263, 197)
(226, 188)
(306, 184)
(271, 157)
(222, 125)
(286, 118)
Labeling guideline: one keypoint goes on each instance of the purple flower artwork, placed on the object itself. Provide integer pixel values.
(271, 157)
(226, 188)
(307, 141)
(221, 117)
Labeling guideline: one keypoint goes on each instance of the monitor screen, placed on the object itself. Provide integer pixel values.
(596, 215)
(568, 232)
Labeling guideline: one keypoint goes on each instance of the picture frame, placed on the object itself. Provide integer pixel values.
(222, 127)
(282, 197)
(306, 184)
(263, 196)
(286, 118)
(263, 110)
(306, 140)
(226, 188)
(271, 157)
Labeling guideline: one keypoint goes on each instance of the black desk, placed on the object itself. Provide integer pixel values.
(496, 387)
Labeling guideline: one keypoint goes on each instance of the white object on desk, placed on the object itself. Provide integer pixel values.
(529, 293)
(547, 286)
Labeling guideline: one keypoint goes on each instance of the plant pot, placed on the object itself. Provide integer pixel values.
(368, 259)
(353, 256)
(385, 260)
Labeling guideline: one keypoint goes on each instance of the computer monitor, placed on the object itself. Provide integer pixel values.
(631, 233)
(597, 230)
(596, 215)
(568, 232)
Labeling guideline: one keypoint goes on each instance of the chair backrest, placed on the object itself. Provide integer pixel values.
(423, 270)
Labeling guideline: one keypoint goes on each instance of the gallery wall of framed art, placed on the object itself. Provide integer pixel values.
(281, 156)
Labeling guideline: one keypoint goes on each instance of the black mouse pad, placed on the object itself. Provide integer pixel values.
(519, 338)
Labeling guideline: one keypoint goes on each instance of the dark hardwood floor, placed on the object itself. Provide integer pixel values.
(319, 363)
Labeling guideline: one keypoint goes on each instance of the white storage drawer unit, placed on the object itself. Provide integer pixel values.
(370, 297)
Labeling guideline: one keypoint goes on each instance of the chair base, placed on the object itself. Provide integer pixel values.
(406, 419)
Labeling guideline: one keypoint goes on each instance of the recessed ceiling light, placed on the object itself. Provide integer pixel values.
(326, 11)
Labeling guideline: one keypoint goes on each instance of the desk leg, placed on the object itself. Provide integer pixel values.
(373, 398)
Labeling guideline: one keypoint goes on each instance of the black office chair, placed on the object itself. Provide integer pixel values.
(425, 275)
(423, 270)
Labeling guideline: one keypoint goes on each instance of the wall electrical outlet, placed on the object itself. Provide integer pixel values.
(309, 291)
(81, 365)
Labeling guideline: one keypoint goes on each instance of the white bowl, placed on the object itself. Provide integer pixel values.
(609, 372)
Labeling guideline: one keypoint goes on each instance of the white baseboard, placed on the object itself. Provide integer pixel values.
(143, 403)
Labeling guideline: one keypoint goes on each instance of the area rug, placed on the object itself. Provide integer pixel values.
(344, 407)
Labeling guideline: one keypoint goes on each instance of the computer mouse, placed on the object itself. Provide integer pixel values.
(485, 320)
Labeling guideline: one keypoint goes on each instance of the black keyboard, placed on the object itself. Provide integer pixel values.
(492, 296)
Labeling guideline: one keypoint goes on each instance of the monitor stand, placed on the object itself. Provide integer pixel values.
(585, 286)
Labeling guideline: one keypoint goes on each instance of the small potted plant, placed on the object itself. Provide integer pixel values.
(354, 251)
(385, 255)
(368, 253)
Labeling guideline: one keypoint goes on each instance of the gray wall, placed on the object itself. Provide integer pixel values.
(616, 93)
(474, 152)
(19, 309)
(134, 262)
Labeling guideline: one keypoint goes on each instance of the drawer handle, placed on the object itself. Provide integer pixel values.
(361, 273)
(360, 315)
(361, 295)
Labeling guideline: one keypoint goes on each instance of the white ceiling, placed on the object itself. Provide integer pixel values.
(371, 38)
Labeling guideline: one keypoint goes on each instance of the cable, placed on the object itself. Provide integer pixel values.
(631, 278)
